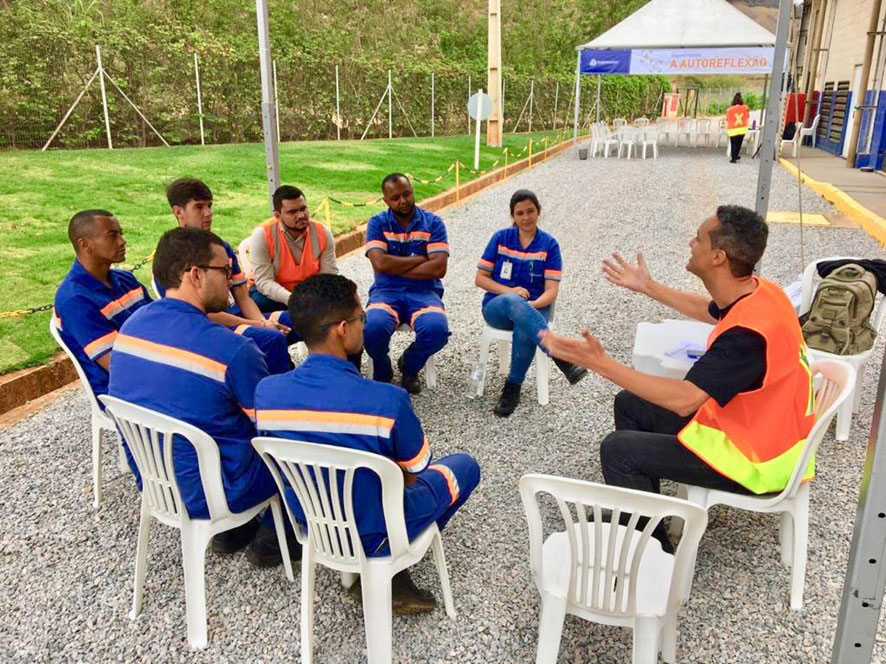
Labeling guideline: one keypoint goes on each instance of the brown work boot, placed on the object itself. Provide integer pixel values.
(406, 598)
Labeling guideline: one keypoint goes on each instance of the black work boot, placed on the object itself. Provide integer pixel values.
(235, 539)
(410, 382)
(406, 598)
(573, 372)
(264, 550)
(507, 402)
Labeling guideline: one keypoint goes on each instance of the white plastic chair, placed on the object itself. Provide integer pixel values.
(837, 382)
(859, 361)
(810, 131)
(149, 436)
(155, 291)
(608, 573)
(619, 122)
(641, 122)
(794, 143)
(652, 342)
(430, 365)
(608, 139)
(686, 127)
(243, 255)
(99, 420)
(627, 137)
(504, 338)
(322, 478)
(649, 137)
(705, 130)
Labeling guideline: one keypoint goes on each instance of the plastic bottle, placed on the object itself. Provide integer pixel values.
(475, 380)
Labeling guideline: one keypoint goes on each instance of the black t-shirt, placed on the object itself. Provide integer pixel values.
(735, 362)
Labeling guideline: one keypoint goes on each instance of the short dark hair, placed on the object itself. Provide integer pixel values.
(524, 195)
(319, 300)
(737, 100)
(82, 223)
(742, 234)
(180, 192)
(393, 177)
(285, 192)
(178, 251)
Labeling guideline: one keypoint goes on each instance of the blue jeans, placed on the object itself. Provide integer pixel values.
(512, 312)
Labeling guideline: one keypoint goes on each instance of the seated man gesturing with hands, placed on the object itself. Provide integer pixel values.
(738, 420)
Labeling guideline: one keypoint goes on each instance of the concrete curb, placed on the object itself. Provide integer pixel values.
(870, 221)
(19, 387)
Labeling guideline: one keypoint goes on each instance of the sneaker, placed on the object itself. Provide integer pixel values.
(507, 402)
(264, 550)
(406, 598)
(410, 382)
(573, 372)
(235, 539)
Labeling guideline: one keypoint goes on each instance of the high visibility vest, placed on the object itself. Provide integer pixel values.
(757, 437)
(287, 271)
(737, 119)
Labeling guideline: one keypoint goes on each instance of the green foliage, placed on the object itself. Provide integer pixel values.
(753, 101)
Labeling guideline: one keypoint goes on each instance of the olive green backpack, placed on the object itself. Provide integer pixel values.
(838, 320)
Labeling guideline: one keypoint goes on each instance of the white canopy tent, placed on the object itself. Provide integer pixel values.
(680, 37)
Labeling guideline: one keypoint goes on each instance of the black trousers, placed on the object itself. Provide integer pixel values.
(735, 144)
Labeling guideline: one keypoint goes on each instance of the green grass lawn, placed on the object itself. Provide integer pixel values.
(40, 191)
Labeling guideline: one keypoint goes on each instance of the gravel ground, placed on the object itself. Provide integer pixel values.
(66, 570)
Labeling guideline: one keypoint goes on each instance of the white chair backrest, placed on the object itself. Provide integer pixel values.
(155, 290)
(641, 122)
(811, 281)
(619, 122)
(814, 126)
(149, 436)
(56, 334)
(610, 573)
(704, 125)
(322, 477)
(837, 383)
(243, 255)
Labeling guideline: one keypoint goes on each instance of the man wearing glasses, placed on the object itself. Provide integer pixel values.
(326, 401)
(174, 360)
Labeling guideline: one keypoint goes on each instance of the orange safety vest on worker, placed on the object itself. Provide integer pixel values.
(737, 119)
(287, 272)
(757, 437)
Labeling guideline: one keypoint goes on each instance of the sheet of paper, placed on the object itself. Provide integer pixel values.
(686, 351)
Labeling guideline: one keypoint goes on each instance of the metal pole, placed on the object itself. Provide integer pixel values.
(390, 90)
(531, 100)
(599, 85)
(276, 100)
(101, 82)
(866, 575)
(556, 99)
(865, 78)
(71, 110)
(577, 95)
(477, 133)
(268, 101)
(199, 99)
(773, 112)
(337, 108)
(502, 102)
(432, 104)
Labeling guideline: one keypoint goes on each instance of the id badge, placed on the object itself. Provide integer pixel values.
(506, 268)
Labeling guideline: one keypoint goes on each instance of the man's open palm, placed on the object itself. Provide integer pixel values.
(621, 273)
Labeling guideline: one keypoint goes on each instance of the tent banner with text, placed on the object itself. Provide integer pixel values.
(735, 60)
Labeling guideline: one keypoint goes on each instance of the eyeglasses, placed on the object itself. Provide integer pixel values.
(361, 318)
(228, 270)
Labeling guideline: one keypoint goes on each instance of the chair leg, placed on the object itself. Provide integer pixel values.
(376, 587)
(370, 366)
(96, 464)
(542, 377)
(801, 541)
(141, 559)
(440, 561)
(856, 392)
(348, 579)
(504, 357)
(431, 372)
(194, 562)
(786, 538)
(280, 528)
(122, 466)
(308, 571)
(844, 419)
(484, 362)
(669, 640)
(550, 628)
(645, 640)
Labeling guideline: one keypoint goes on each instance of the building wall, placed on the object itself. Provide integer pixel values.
(850, 26)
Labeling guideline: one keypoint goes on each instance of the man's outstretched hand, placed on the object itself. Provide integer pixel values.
(621, 273)
(586, 352)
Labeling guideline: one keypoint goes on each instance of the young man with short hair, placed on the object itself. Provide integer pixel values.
(326, 401)
(94, 301)
(191, 203)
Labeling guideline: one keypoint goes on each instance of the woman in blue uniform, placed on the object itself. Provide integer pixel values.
(520, 271)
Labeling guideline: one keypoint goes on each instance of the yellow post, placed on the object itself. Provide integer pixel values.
(530, 152)
(456, 180)
(546, 147)
(506, 161)
(326, 213)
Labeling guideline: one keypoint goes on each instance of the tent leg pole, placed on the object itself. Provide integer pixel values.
(577, 95)
(599, 83)
(268, 101)
(773, 113)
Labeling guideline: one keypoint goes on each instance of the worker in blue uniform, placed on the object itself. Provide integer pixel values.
(327, 401)
(172, 359)
(94, 301)
(409, 251)
(191, 203)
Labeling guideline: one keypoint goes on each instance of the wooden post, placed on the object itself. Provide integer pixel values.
(199, 98)
(531, 100)
(457, 185)
(466, 108)
(812, 73)
(432, 104)
(337, 112)
(865, 78)
(493, 75)
(390, 91)
(101, 82)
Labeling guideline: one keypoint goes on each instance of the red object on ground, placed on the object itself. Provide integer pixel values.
(795, 105)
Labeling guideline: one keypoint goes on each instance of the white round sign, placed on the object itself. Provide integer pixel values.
(480, 104)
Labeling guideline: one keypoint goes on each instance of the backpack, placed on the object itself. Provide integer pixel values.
(837, 322)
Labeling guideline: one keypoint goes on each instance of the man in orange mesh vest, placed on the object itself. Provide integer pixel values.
(738, 420)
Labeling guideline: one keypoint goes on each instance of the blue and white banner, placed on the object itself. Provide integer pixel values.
(735, 60)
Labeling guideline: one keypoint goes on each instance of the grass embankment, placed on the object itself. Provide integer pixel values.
(41, 190)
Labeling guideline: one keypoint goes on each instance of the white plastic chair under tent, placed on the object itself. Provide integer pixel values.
(504, 338)
(837, 380)
(149, 436)
(705, 129)
(100, 422)
(608, 573)
(628, 137)
(811, 131)
(794, 143)
(649, 137)
(859, 361)
(322, 477)
(430, 365)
